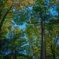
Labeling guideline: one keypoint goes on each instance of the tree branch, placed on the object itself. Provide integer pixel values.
(3, 19)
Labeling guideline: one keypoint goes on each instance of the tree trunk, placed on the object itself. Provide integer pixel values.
(53, 46)
(15, 55)
(43, 42)
(53, 51)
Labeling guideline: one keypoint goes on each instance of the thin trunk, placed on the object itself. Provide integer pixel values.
(53, 46)
(43, 42)
(53, 51)
(15, 54)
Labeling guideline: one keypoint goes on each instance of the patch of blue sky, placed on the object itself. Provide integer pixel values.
(30, 7)
(23, 26)
(23, 52)
(53, 11)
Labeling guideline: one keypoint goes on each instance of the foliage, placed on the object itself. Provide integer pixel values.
(26, 43)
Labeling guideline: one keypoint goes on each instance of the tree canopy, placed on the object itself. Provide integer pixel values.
(29, 29)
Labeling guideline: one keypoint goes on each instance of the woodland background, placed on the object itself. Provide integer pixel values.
(29, 29)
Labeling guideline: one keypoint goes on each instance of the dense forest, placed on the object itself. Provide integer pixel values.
(29, 29)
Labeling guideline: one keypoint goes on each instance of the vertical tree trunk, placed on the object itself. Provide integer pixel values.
(53, 46)
(43, 42)
(53, 51)
(15, 55)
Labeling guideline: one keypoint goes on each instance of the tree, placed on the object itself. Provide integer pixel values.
(40, 32)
